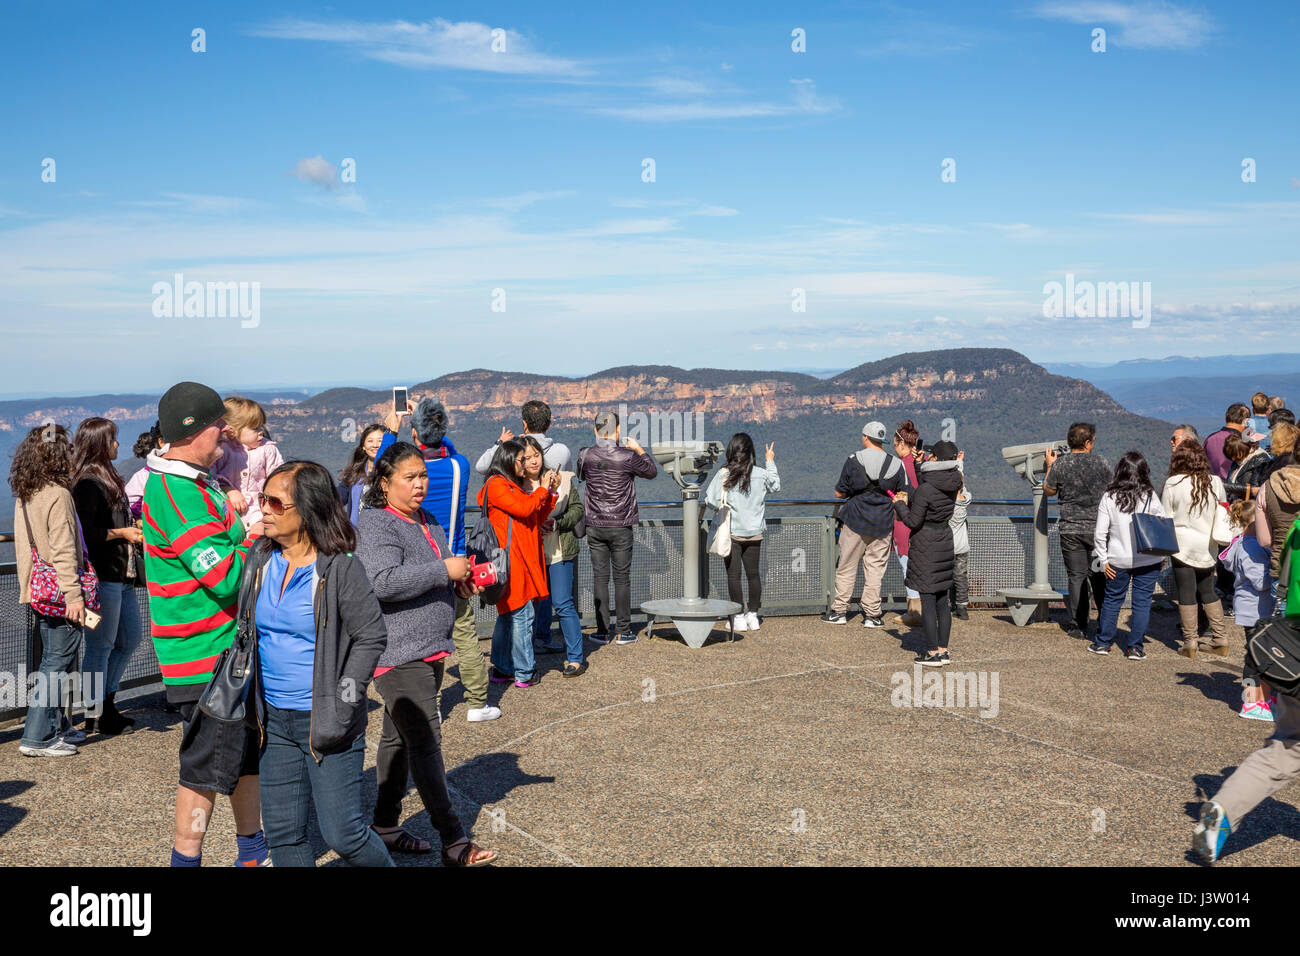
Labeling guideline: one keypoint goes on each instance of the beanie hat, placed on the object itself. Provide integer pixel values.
(187, 409)
(430, 422)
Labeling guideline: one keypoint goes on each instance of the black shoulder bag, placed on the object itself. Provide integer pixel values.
(226, 696)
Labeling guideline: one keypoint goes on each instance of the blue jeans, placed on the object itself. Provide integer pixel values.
(902, 563)
(560, 576)
(60, 642)
(289, 774)
(1144, 585)
(512, 643)
(109, 647)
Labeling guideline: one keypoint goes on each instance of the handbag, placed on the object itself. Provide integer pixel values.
(720, 529)
(225, 698)
(1153, 534)
(46, 595)
(1222, 531)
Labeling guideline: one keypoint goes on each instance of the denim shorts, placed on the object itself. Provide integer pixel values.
(215, 753)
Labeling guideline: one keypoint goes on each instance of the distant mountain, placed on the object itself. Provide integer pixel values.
(981, 398)
(1177, 366)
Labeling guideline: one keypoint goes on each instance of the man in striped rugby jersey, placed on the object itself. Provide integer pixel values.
(195, 545)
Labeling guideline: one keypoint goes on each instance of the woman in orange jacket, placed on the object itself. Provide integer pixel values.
(505, 499)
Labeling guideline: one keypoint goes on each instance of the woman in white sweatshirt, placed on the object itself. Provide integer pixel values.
(1191, 497)
(1129, 492)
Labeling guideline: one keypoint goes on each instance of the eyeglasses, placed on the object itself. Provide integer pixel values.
(276, 505)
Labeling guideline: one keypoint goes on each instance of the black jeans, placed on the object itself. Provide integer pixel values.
(611, 547)
(744, 553)
(411, 742)
(936, 620)
(959, 593)
(1078, 554)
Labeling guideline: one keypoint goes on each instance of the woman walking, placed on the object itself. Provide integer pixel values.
(746, 487)
(1130, 492)
(319, 634)
(930, 563)
(560, 551)
(517, 516)
(99, 494)
(1191, 497)
(45, 526)
(415, 577)
(355, 475)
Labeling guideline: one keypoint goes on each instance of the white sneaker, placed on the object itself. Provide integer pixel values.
(740, 623)
(752, 620)
(487, 712)
(74, 735)
(60, 748)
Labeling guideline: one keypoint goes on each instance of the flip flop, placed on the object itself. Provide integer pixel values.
(464, 856)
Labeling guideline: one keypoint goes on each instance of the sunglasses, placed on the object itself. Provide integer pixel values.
(276, 506)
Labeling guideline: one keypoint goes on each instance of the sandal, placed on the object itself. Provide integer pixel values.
(468, 854)
(403, 841)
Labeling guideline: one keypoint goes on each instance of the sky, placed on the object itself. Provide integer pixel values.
(416, 189)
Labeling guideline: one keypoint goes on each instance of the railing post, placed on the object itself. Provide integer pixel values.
(829, 558)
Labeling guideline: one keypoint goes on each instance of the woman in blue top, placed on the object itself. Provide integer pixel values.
(320, 633)
(746, 487)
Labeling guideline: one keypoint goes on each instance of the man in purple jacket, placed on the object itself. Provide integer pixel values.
(610, 471)
(1235, 419)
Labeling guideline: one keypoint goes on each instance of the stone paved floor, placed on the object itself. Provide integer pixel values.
(786, 747)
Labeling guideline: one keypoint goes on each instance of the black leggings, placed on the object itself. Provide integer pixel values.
(936, 619)
(744, 553)
(1195, 585)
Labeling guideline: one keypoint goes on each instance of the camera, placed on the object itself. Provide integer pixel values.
(1030, 461)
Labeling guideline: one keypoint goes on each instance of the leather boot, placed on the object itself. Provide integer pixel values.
(1218, 642)
(912, 616)
(111, 723)
(1187, 618)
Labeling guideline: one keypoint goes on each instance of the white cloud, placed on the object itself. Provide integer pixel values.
(317, 170)
(1158, 25)
(433, 44)
(804, 100)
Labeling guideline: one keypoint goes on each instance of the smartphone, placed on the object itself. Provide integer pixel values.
(92, 619)
(399, 399)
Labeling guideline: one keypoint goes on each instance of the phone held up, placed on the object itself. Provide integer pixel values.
(399, 399)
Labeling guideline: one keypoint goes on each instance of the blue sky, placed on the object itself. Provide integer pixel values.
(521, 170)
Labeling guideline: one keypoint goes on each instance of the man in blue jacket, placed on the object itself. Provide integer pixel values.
(445, 500)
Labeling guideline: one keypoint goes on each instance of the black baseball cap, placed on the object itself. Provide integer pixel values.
(187, 409)
(944, 451)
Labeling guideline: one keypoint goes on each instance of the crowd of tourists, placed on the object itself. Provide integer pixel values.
(279, 594)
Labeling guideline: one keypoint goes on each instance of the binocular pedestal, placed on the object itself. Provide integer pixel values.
(1029, 604)
(692, 615)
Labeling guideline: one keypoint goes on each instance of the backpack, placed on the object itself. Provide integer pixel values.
(484, 547)
(891, 468)
(1274, 644)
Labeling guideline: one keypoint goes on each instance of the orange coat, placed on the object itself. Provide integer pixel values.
(527, 564)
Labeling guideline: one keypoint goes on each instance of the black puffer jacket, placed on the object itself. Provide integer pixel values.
(926, 514)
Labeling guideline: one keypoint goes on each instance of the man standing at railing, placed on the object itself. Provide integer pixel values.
(1079, 479)
(610, 471)
(868, 481)
(194, 562)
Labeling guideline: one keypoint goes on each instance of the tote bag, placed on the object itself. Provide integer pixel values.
(1153, 534)
(46, 595)
(720, 529)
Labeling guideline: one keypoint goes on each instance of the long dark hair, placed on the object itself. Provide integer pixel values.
(528, 441)
(385, 466)
(40, 460)
(1189, 459)
(355, 469)
(91, 458)
(324, 521)
(503, 462)
(740, 462)
(1132, 482)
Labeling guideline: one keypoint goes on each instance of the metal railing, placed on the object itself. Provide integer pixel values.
(797, 563)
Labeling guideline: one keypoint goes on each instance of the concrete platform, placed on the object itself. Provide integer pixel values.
(785, 747)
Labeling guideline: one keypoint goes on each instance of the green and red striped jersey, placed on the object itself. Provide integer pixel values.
(194, 546)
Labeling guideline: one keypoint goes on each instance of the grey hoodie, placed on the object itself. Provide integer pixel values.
(555, 455)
